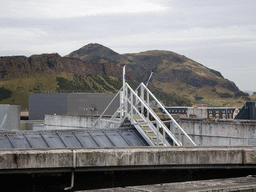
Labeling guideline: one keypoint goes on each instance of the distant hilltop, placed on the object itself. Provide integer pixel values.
(173, 74)
(167, 66)
(177, 80)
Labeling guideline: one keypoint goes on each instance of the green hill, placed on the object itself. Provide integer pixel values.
(174, 74)
(177, 80)
(21, 87)
(20, 75)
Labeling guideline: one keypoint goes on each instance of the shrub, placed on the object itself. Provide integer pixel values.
(5, 93)
(225, 95)
(198, 97)
(240, 94)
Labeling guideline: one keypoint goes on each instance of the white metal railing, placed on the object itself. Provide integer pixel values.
(146, 117)
(175, 128)
(111, 102)
(137, 102)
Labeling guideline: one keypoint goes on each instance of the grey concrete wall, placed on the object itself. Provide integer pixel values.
(73, 121)
(202, 132)
(9, 117)
(31, 124)
(100, 158)
(41, 104)
(91, 103)
(221, 132)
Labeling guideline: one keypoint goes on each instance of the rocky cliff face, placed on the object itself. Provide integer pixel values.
(174, 75)
(166, 65)
(169, 67)
(18, 66)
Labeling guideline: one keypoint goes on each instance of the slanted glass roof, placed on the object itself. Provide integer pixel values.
(121, 137)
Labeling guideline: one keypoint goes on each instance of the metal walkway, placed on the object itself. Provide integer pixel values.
(121, 137)
(135, 106)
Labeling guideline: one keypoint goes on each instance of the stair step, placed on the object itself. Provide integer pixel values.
(160, 144)
(150, 131)
(150, 134)
(154, 140)
(146, 129)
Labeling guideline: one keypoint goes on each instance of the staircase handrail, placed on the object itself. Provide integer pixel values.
(167, 113)
(145, 121)
(167, 131)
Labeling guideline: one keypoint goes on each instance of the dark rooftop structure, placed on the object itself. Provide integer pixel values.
(248, 111)
(70, 104)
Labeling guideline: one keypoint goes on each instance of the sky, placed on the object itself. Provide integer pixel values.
(219, 34)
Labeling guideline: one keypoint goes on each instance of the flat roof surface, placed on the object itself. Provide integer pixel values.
(229, 184)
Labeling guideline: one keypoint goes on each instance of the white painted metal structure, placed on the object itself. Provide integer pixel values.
(135, 107)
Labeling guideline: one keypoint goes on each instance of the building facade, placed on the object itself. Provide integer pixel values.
(205, 112)
(41, 104)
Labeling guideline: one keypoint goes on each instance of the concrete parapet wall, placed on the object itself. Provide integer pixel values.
(29, 124)
(118, 158)
(221, 132)
(203, 132)
(72, 121)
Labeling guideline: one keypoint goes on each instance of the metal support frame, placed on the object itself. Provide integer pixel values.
(137, 102)
(157, 122)
(172, 120)
(128, 108)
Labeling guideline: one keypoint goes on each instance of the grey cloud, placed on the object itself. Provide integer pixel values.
(225, 40)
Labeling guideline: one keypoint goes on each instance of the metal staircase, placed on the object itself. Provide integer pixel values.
(147, 130)
(135, 107)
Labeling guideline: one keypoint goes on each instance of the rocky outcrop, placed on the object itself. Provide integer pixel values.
(166, 65)
(18, 66)
(97, 54)
(174, 75)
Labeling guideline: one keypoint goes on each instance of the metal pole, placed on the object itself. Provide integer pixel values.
(164, 141)
(119, 92)
(149, 78)
(148, 104)
(157, 134)
(124, 94)
(142, 98)
(132, 105)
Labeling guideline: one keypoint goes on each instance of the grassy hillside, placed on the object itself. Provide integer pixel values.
(177, 80)
(217, 96)
(180, 79)
(20, 87)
